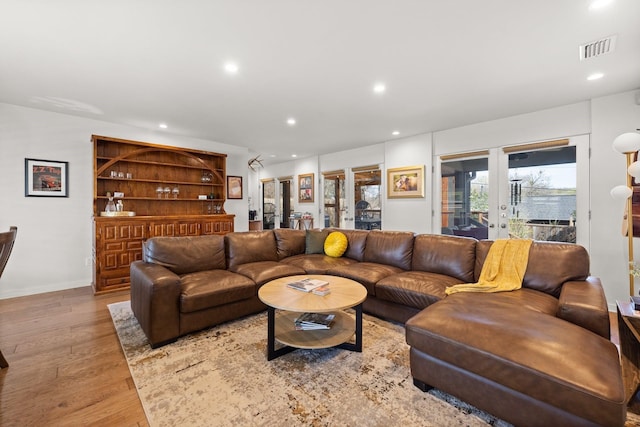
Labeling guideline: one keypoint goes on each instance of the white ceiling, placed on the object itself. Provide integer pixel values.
(445, 64)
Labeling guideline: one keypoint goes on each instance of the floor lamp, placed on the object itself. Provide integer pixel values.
(628, 144)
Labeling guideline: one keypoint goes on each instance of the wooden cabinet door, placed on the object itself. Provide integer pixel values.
(173, 228)
(220, 225)
(162, 228)
(188, 228)
(118, 244)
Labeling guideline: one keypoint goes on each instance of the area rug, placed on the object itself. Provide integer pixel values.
(221, 377)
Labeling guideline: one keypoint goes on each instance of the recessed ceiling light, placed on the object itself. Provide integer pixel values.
(162, 126)
(395, 133)
(599, 4)
(294, 155)
(231, 67)
(291, 121)
(379, 88)
(595, 76)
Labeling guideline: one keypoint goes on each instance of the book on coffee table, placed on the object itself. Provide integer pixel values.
(307, 285)
(322, 290)
(311, 321)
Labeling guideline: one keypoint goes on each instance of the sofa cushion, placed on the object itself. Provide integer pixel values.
(250, 246)
(522, 349)
(390, 247)
(206, 289)
(184, 255)
(447, 255)
(314, 241)
(365, 273)
(335, 244)
(357, 241)
(417, 289)
(317, 263)
(263, 271)
(550, 265)
(289, 242)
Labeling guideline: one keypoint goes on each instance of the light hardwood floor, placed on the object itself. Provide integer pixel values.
(66, 366)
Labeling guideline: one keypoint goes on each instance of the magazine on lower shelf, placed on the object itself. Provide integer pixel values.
(310, 321)
(307, 285)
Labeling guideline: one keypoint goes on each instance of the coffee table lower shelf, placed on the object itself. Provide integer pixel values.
(281, 329)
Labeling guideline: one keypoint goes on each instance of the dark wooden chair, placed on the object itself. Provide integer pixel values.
(6, 244)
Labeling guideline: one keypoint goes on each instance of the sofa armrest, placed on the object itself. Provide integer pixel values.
(155, 301)
(583, 303)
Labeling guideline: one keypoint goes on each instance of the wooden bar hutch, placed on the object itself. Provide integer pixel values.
(165, 191)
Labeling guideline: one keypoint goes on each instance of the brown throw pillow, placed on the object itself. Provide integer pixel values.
(314, 241)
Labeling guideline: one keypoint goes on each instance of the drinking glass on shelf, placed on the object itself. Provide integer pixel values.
(167, 190)
(159, 191)
(175, 192)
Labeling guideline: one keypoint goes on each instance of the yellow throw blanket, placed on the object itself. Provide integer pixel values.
(503, 270)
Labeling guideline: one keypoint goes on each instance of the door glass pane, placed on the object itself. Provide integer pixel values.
(334, 201)
(268, 204)
(542, 186)
(286, 203)
(465, 197)
(368, 201)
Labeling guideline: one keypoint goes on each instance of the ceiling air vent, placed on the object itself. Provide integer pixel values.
(598, 48)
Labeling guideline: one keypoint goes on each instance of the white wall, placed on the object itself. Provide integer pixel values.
(414, 214)
(55, 234)
(610, 117)
(357, 157)
(542, 125)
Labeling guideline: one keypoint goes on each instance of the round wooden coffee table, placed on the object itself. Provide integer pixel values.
(345, 293)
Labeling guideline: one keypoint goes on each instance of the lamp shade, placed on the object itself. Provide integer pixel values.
(627, 142)
(634, 169)
(621, 192)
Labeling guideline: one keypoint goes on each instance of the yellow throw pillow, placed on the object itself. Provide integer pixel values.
(335, 244)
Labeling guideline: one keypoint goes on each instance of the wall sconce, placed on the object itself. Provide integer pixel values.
(628, 144)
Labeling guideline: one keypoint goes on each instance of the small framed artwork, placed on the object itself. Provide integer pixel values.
(234, 187)
(46, 178)
(405, 182)
(305, 188)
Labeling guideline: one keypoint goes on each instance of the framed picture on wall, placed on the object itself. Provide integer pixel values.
(234, 187)
(46, 178)
(305, 188)
(405, 182)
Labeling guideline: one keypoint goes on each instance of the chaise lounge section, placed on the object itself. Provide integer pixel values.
(540, 355)
(536, 356)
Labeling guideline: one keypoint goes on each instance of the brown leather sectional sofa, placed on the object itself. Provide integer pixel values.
(540, 355)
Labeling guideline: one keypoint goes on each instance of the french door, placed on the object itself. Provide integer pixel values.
(285, 201)
(353, 198)
(335, 202)
(367, 198)
(268, 204)
(538, 191)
